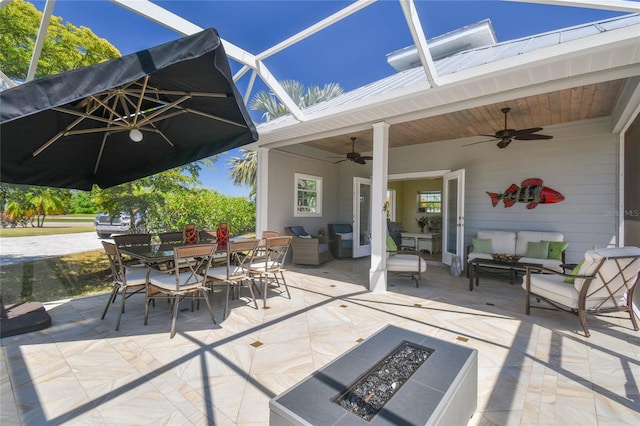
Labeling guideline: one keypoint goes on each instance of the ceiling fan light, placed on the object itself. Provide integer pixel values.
(135, 135)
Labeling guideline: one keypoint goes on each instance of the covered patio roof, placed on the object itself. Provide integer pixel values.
(552, 78)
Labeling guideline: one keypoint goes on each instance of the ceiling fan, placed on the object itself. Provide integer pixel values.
(355, 156)
(507, 135)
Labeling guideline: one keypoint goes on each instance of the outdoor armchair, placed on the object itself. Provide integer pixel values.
(406, 262)
(603, 282)
(341, 239)
(307, 250)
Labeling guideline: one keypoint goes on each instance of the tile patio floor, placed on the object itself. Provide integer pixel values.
(532, 370)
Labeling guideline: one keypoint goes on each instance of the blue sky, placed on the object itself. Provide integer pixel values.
(351, 53)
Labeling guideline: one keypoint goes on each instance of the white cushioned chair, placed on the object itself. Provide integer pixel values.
(405, 262)
(604, 282)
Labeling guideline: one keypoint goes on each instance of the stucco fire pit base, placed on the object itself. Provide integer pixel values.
(444, 390)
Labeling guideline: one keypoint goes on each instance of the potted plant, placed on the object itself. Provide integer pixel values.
(422, 223)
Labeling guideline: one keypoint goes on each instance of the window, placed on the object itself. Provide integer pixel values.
(429, 201)
(308, 196)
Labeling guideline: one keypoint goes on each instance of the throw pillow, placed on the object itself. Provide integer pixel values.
(556, 248)
(574, 271)
(482, 246)
(392, 248)
(539, 250)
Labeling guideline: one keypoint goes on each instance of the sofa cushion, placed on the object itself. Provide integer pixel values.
(552, 264)
(538, 250)
(523, 238)
(501, 241)
(556, 248)
(482, 246)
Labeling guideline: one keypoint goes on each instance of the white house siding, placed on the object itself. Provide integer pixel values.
(282, 169)
(580, 162)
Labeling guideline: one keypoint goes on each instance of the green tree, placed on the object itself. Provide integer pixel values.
(66, 47)
(203, 207)
(81, 203)
(146, 194)
(244, 169)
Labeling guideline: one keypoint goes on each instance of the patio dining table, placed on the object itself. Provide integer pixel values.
(158, 255)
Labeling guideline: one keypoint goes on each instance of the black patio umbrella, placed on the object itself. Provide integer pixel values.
(123, 119)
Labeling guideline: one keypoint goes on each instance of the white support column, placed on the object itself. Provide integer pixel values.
(42, 34)
(262, 190)
(380, 166)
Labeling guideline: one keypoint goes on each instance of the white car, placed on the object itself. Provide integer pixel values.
(106, 225)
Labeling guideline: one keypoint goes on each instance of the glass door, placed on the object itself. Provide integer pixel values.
(453, 216)
(361, 217)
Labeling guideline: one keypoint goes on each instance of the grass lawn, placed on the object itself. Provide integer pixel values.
(56, 278)
(30, 231)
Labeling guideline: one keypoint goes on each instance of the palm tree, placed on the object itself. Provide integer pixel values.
(272, 108)
(244, 169)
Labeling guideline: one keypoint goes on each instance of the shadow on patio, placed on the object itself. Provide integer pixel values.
(532, 369)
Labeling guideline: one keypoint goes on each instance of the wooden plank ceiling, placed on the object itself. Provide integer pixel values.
(564, 106)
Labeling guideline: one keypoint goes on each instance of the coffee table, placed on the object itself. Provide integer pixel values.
(496, 269)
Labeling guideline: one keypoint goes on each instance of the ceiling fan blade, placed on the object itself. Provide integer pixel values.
(504, 143)
(359, 160)
(532, 137)
(366, 157)
(490, 136)
(475, 143)
(526, 131)
(340, 161)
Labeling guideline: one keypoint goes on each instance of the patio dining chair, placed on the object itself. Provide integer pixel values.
(236, 270)
(271, 265)
(171, 237)
(189, 281)
(126, 281)
(132, 240)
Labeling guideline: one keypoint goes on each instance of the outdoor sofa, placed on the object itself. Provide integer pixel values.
(546, 249)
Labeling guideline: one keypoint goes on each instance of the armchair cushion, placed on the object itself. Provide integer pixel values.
(341, 239)
(299, 231)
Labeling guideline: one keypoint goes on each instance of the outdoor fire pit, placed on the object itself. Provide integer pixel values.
(394, 377)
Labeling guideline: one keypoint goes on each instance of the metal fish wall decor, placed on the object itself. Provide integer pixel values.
(530, 191)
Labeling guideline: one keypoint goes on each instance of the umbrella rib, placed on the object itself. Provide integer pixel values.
(62, 133)
(102, 145)
(177, 93)
(215, 117)
(85, 115)
(162, 110)
(139, 105)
